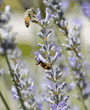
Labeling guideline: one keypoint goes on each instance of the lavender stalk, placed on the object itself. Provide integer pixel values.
(12, 75)
(46, 60)
(4, 101)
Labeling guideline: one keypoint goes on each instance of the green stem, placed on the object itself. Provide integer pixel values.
(83, 66)
(84, 69)
(18, 91)
(4, 101)
(77, 87)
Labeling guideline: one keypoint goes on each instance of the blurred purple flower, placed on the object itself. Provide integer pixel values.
(45, 83)
(75, 107)
(1, 1)
(58, 54)
(40, 106)
(14, 92)
(77, 22)
(48, 15)
(65, 4)
(31, 85)
(61, 106)
(38, 14)
(40, 58)
(86, 8)
(72, 61)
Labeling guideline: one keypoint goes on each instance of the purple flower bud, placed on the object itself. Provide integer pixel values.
(48, 15)
(86, 9)
(38, 14)
(53, 106)
(58, 53)
(40, 58)
(72, 61)
(65, 5)
(14, 92)
(31, 85)
(61, 106)
(77, 22)
(47, 99)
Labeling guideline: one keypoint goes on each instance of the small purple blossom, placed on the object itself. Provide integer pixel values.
(40, 58)
(86, 8)
(14, 92)
(77, 22)
(40, 106)
(44, 22)
(48, 15)
(65, 4)
(72, 61)
(61, 106)
(31, 85)
(38, 14)
(58, 54)
(47, 99)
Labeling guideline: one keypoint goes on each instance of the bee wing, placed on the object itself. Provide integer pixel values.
(27, 21)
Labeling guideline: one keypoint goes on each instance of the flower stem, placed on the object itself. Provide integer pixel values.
(18, 91)
(84, 69)
(4, 101)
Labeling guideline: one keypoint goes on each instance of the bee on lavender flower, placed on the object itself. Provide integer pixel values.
(30, 16)
(43, 65)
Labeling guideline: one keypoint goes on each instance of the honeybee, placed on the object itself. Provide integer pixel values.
(30, 16)
(44, 65)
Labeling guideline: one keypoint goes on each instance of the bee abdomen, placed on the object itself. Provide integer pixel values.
(27, 23)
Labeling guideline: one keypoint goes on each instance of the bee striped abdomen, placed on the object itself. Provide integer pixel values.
(27, 21)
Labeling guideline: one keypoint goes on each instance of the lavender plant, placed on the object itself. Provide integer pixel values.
(25, 86)
(82, 80)
(56, 99)
(86, 8)
(73, 44)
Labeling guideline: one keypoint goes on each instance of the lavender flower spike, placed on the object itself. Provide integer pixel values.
(86, 9)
